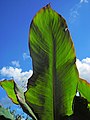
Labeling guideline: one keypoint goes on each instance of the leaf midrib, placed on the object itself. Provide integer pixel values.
(54, 77)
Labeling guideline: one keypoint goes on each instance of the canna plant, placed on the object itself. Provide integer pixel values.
(55, 80)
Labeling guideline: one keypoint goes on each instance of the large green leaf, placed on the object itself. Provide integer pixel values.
(52, 87)
(8, 86)
(84, 88)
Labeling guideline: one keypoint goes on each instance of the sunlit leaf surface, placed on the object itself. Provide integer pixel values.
(53, 85)
(8, 86)
(84, 89)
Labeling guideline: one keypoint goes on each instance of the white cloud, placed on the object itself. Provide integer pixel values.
(84, 68)
(20, 77)
(15, 63)
(74, 11)
(25, 56)
(83, 1)
(87, 60)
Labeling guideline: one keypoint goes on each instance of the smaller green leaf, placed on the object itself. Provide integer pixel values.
(8, 86)
(84, 89)
(22, 102)
(4, 113)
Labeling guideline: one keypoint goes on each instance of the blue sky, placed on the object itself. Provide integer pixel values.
(15, 18)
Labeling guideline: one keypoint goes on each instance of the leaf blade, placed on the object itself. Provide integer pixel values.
(53, 55)
(84, 88)
(8, 86)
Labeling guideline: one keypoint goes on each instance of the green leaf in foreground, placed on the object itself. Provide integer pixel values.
(5, 114)
(8, 86)
(52, 87)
